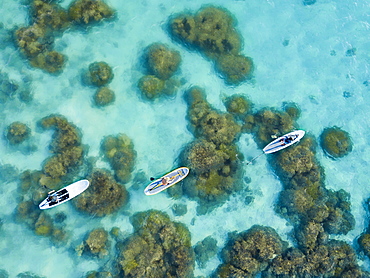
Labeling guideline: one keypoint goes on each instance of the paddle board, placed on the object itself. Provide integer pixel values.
(172, 177)
(65, 194)
(284, 141)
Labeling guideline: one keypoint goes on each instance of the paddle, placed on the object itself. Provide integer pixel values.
(253, 159)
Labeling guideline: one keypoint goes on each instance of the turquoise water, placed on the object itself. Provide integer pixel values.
(302, 53)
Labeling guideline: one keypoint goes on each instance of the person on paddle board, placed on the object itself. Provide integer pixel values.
(165, 180)
(287, 140)
(52, 197)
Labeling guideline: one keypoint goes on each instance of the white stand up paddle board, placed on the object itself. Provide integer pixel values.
(281, 143)
(166, 181)
(284, 141)
(65, 194)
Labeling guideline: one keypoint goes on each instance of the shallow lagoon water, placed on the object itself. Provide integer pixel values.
(300, 54)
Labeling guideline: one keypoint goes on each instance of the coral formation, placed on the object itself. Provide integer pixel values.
(333, 259)
(104, 96)
(99, 74)
(292, 109)
(36, 40)
(3, 273)
(336, 142)
(213, 156)
(339, 220)
(249, 252)
(364, 239)
(89, 11)
(216, 127)
(67, 149)
(100, 274)
(299, 160)
(28, 274)
(8, 173)
(161, 64)
(8, 88)
(234, 68)
(202, 156)
(121, 155)
(48, 15)
(32, 40)
(238, 105)
(104, 195)
(204, 250)
(59, 169)
(212, 31)
(304, 197)
(161, 61)
(39, 221)
(179, 209)
(17, 133)
(151, 86)
(314, 211)
(96, 243)
(49, 19)
(267, 124)
(364, 242)
(50, 61)
(28, 212)
(309, 2)
(158, 248)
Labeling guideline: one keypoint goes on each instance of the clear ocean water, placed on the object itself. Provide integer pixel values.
(314, 55)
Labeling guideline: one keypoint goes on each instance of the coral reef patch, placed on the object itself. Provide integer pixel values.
(249, 252)
(212, 31)
(161, 63)
(120, 153)
(336, 142)
(104, 195)
(67, 149)
(158, 248)
(213, 156)
(17, 133)
(96, 244)
(48, 20)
